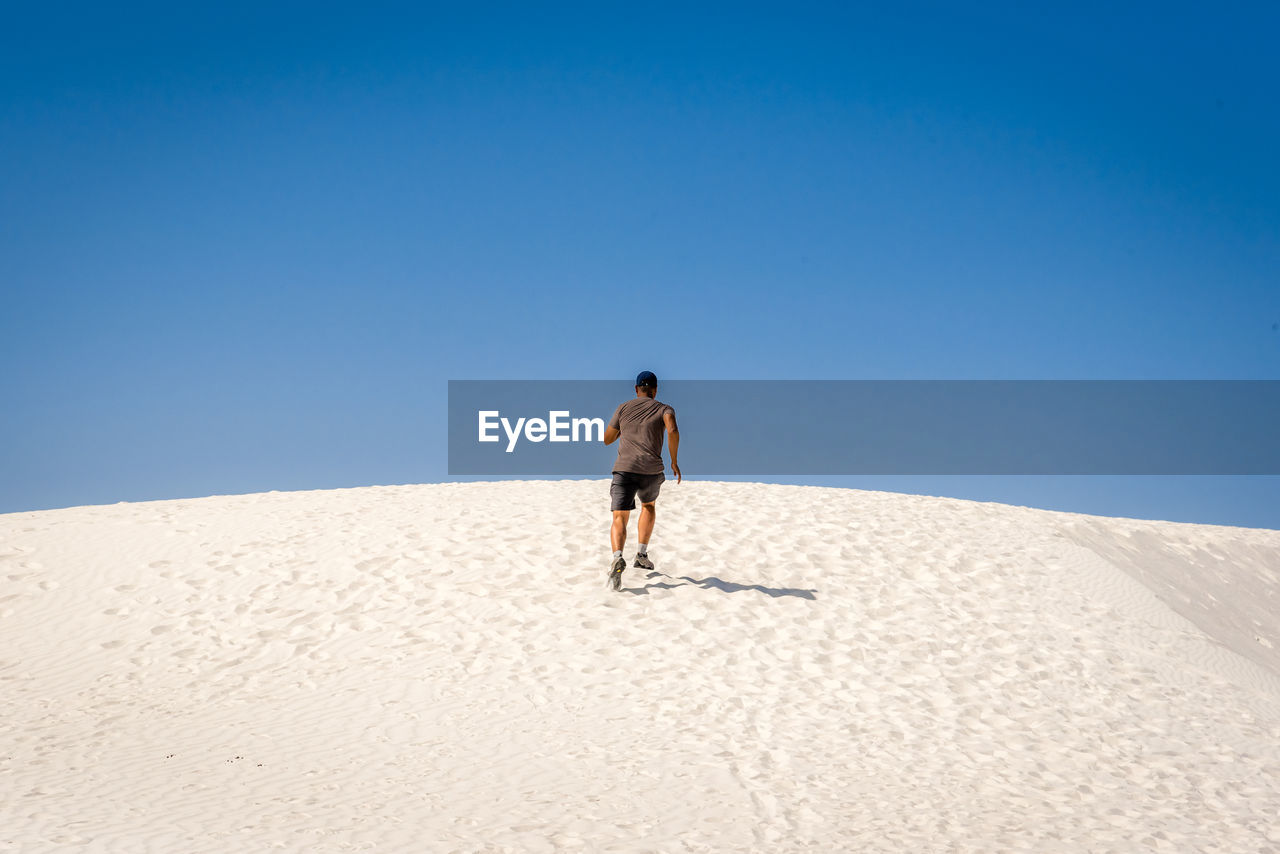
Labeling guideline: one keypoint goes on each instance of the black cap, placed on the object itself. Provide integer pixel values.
(646, 378)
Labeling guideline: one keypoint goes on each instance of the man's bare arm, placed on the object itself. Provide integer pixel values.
(673, 441)
(611, 435)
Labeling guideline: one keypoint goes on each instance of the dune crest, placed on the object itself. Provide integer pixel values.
(439, 668)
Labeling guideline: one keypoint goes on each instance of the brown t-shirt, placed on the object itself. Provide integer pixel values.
(639, 420)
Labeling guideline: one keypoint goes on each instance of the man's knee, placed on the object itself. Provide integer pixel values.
(651, 506)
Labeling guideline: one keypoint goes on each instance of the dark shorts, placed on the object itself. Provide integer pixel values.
(627, 485)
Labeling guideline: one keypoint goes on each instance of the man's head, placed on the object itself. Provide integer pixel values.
(646, 384)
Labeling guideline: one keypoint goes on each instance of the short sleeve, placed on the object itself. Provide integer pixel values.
(614, 422)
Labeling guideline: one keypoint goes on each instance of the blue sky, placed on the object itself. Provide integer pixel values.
(244, 248)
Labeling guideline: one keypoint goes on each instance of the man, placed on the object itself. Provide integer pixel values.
(638, 471)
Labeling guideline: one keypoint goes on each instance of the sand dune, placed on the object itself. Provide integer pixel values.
(439, 668)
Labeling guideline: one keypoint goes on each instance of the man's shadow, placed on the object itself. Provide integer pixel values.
(713, 583)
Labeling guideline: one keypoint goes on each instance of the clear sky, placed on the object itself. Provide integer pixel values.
(243, 248)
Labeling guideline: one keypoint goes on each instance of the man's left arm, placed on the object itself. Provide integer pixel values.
(611, 433)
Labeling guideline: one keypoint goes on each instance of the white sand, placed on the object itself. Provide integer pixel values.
(439, 668)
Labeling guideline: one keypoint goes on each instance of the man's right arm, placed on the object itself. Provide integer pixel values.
(673, 440)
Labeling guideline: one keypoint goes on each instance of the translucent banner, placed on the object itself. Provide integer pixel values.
(824, 427)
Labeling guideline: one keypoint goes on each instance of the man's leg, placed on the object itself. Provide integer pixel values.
(618, 533)
(648, 513)
(648, 495)
(618, 538)
(622, 500)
